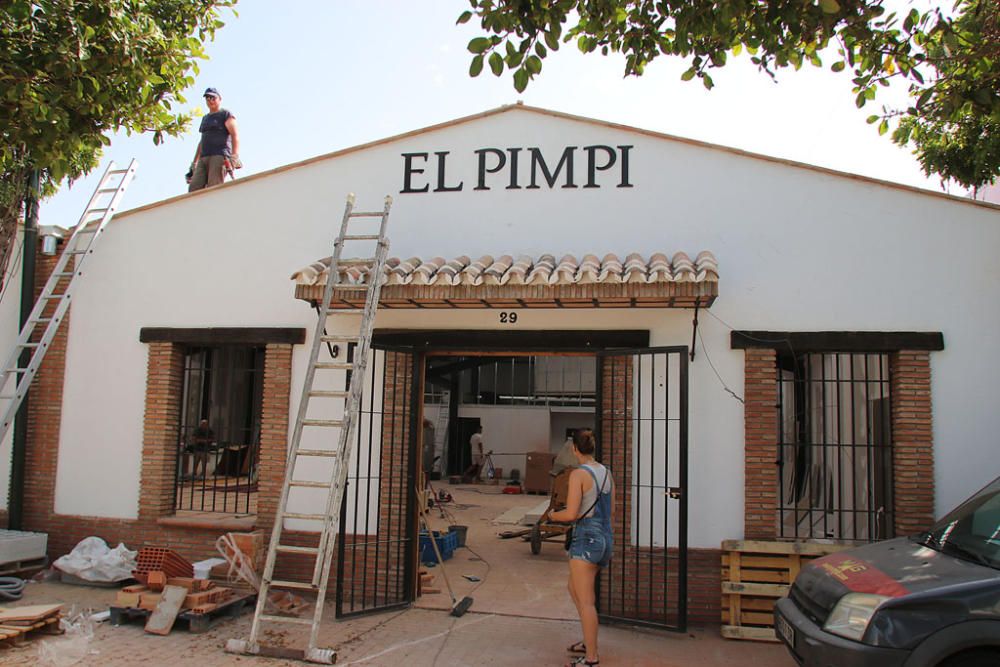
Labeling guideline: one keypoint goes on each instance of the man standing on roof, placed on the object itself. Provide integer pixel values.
(219, 149)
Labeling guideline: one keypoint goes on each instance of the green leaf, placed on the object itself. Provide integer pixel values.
(829, 6)
(706, 80)
(521, 80)
(496, 63)
(464, 18)
(533, 64)
(479, 44)
(477, 65)
(688, 75)
(838, 66)
(883, 127)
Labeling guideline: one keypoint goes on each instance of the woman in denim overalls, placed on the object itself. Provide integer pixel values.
(589, 505)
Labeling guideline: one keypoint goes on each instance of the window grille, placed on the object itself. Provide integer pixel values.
(835, 446)
(557, 381)
(218, 473)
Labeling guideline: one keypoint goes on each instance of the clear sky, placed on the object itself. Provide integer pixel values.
(307, 77)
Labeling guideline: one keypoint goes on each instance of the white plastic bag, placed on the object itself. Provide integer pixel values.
(92, 560)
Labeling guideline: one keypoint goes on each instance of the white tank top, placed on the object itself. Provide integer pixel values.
(588, 503)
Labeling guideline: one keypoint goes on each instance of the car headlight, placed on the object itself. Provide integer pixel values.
(851, 615)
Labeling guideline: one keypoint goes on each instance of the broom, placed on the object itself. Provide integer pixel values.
(458, 608)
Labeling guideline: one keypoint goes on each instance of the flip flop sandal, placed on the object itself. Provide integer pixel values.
(578, 647)
(582, 660)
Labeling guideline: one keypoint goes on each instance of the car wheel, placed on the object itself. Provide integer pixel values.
(977, 657)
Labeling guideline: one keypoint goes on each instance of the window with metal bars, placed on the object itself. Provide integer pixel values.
(834, 446)
(219, 433)
(538, 380)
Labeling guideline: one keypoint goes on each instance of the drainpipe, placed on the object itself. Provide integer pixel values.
(15, 498)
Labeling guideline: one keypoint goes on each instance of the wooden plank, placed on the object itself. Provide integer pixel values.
(804, 548)
(162, 619)
(30, 613)
(760, 576)
(766, 590)
(762, 618)
(756, 634)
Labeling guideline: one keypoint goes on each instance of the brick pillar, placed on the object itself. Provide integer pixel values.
(273, 432)
(912, 441)
(161, 429)
(45, 410)
(760, 419)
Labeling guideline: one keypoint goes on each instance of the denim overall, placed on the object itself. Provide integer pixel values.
(592, 539)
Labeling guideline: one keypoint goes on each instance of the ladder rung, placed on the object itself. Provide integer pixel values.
(40, 320)
(304, 515)
(55, 296)
(28, 344)
(324, 393)
(77, 252)
(335, 365)
(301, 585)
(356, 260)
(17, 370)
(107, 189)
(361, 237)
(286, 548)
(65, 273)
(317, 452)
(118, 171)
(97, 210)
(334, 338)
(286, 619)
(367, 214)
(331, 423)
(311, 485)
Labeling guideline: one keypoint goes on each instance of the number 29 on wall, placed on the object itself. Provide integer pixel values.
(508, 317)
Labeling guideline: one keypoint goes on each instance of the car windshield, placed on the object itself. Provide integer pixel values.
(972, 531)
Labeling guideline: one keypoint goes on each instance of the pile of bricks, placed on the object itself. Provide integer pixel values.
(155, 559)
(203, 595)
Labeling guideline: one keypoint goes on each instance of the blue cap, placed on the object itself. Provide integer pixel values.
(212, 92)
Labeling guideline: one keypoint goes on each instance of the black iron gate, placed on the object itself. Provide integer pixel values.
(376, 550)
(642, 409)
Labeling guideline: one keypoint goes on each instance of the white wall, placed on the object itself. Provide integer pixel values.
(511, 432)
(798, 249)
(10, 310)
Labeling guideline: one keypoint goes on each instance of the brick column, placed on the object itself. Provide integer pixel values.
(760, 419)
(161, 429)
(912, 441)
(45, 410)
(273, 432)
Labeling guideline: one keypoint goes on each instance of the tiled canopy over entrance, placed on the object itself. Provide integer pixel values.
(525, 282)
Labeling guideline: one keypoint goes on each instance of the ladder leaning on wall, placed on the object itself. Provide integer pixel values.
(41, 327)
(329, 520)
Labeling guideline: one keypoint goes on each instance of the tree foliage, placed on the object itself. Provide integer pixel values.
(951, 61)
(73, 72)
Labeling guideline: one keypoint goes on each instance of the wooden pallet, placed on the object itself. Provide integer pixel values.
(29, 566)
(14, 635)
(755, 575)
(196, 622)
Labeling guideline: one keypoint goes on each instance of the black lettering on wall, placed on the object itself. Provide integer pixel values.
(624, 162)
(514, 185)
(409, 170)
(593, 167)
(441, 187)
(538, 162)
(501, 161)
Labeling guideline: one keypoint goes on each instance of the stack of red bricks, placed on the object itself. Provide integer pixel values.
(165, 561)
(203, 595)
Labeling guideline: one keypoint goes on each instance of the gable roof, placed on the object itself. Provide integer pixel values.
(520, 107)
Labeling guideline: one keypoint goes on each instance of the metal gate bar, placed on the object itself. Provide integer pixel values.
(379, 544)
(643, 438)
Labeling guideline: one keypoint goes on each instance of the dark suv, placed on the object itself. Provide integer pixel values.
(931, 600)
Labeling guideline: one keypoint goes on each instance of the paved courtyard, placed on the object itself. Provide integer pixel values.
(410, 637)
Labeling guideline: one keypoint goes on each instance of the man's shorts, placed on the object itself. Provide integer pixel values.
(208, 171)
(591, 543)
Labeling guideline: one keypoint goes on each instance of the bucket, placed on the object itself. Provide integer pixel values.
(460, 532)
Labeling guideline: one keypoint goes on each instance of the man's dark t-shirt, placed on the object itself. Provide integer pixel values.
(214, 135)
(202, 439)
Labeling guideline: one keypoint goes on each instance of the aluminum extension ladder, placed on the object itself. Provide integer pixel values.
(340, 457)
(81, 244)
